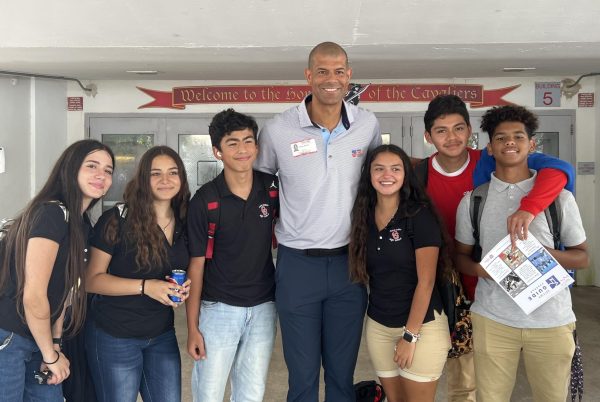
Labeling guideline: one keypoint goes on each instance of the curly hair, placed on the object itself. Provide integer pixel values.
(62, 185)
(227, 121)
(412, 199)
(512, 113)
(142, 227)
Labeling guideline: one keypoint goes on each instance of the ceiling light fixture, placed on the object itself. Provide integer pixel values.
(143, 72)
(517, 69)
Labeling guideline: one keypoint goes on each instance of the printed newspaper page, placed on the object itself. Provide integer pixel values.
(529, 275)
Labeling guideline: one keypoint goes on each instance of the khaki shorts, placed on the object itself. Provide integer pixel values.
(430, 353)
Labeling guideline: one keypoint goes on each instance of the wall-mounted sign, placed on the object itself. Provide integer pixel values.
(586, 168)
(74, 103)
(585, 99)
(179, 97)
(547, 94)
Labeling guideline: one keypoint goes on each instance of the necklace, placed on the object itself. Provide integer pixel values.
(167, 225)
(382, 219)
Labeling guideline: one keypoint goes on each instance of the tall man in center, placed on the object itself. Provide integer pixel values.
(318, 148)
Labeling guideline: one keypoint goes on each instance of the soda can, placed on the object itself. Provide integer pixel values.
(177, 277)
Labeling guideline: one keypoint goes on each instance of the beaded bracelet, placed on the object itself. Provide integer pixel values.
(57, 358)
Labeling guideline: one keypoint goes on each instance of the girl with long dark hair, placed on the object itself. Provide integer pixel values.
(394, 247)
(43, 253)
(131, 341)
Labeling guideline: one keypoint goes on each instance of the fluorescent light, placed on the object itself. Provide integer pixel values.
(143, 72)
(517, 69)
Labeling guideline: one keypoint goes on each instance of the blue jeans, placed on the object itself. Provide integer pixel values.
(321, 317)
(234, 337)
(19, 358)
(122, 367)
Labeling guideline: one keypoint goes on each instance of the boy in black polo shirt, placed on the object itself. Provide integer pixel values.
(230, 312)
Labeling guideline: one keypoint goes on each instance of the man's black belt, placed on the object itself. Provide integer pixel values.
(325, 252)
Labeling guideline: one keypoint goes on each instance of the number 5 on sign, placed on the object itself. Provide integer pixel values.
(547, 94)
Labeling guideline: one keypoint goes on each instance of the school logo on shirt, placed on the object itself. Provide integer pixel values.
(395, 235)
(263, 210)
(357, 152)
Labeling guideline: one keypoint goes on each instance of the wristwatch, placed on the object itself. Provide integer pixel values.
(410, 337)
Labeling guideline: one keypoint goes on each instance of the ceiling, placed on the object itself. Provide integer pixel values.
(270, 39)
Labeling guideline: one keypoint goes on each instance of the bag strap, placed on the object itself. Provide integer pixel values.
(213, 204)
(478, 198)
(554, 222)
(422, 171)
(7, 222)
(121, 215)
(5, 226)
(271, 185)
(63, 207)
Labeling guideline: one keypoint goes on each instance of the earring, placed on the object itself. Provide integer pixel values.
(218, 154)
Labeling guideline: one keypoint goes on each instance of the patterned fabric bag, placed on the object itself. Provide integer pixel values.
(576, 372)
(456, 307)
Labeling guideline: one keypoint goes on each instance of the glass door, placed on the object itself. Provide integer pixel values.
(129, 138)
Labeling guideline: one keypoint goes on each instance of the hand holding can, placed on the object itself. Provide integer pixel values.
(177, 277)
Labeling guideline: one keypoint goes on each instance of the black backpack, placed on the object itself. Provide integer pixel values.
(210, 194)
(478, 198)
(369, 391)
(422, 171)
(7, 222)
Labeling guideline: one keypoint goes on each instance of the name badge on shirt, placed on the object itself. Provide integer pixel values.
(304, 147)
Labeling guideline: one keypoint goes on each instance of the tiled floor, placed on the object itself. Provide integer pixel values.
(586, 302)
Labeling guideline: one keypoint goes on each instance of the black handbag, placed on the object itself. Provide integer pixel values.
(369, 391)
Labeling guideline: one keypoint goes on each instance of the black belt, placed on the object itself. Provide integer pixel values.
(325, 252)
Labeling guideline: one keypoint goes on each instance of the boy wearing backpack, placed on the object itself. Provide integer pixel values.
(501, 330)
(231, 312)
(456, 169)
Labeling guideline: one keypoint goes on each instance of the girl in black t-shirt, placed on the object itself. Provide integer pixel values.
(394, 246)
(43, 257)
(131, 341)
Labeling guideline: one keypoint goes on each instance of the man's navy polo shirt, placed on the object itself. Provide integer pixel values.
(241, 272)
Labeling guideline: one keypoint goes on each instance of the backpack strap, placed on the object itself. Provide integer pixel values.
(63, 207)
(478, 197)
(271, 185)
(213, 204)
(123, 210)
(4, 226)
(422, 171)
(554, 221)
(5, 223)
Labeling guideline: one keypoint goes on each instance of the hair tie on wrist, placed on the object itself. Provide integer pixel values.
(57, 357)
(142, 287)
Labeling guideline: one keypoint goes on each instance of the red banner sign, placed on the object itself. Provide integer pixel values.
(179, 97)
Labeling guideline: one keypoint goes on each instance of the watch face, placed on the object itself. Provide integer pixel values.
(408, 337)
